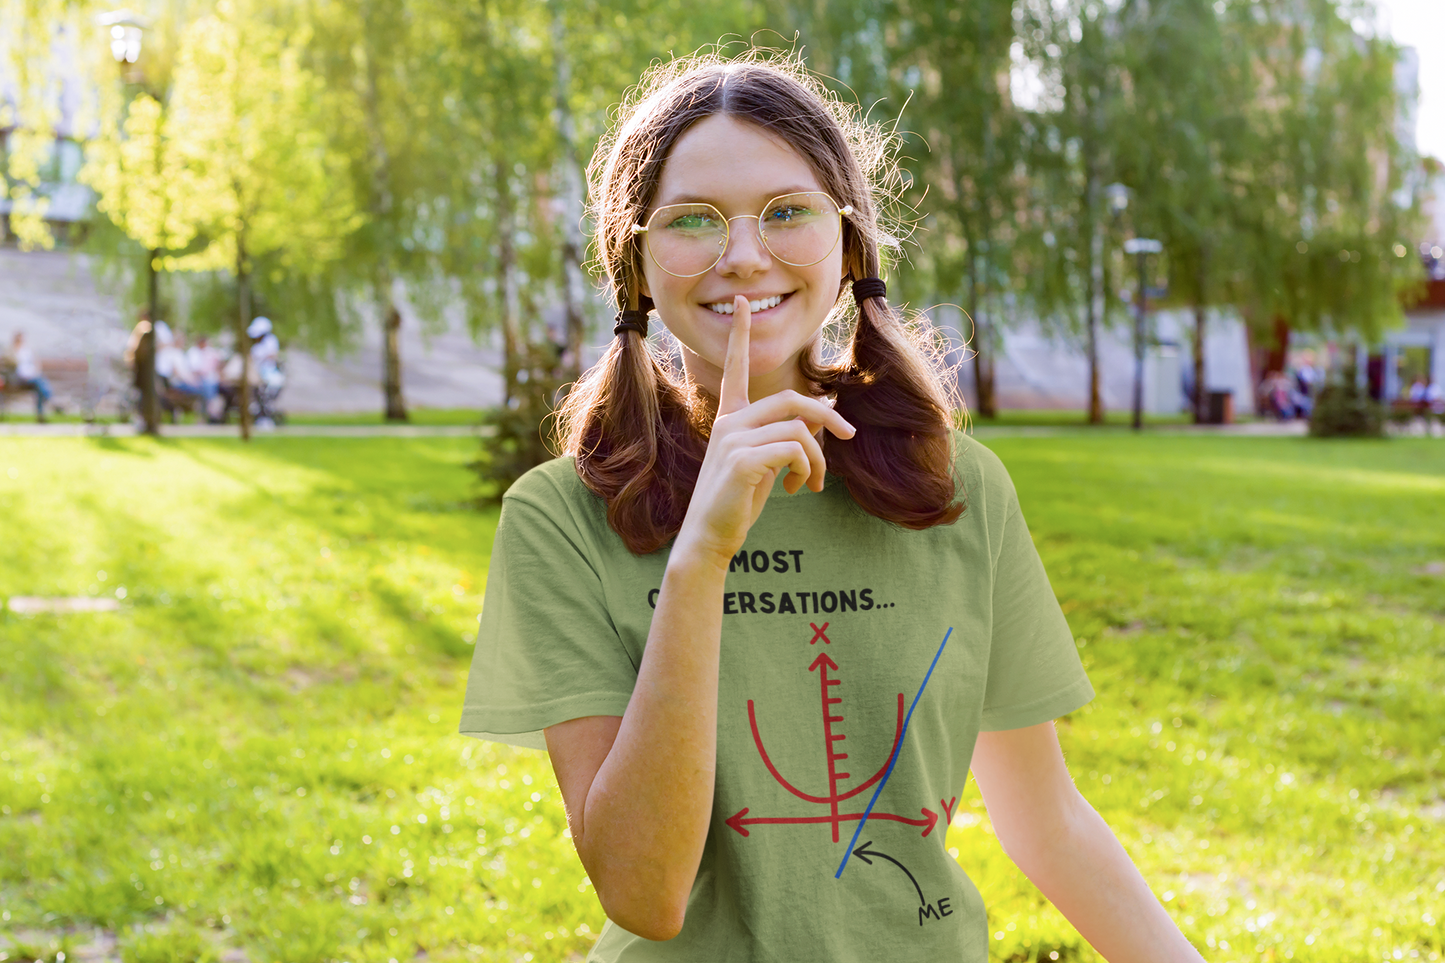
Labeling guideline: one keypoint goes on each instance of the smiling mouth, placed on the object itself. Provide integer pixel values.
(726, 307)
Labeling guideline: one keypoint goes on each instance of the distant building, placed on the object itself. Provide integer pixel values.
(1416, 352)
(70, 203)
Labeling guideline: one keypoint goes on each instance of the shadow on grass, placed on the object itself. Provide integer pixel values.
(138, 447)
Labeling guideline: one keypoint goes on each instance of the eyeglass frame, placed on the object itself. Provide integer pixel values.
(846, 209)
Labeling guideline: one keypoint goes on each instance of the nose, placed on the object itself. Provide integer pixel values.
(746, 254)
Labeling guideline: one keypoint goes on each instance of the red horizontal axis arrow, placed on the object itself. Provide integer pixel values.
(740, 824)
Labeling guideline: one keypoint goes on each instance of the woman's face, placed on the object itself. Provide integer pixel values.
(737, 167)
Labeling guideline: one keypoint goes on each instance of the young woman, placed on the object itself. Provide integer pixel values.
(768, 611)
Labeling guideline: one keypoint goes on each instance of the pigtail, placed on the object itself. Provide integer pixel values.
(634, 432)
(899, 466)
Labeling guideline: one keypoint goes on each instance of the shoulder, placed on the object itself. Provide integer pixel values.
(553, 487)
(984, 482)
(552, 494)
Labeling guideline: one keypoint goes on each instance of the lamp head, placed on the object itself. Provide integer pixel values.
(126, 28)
(1118, 196)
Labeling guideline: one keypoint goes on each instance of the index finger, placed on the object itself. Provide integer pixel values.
(733, 395)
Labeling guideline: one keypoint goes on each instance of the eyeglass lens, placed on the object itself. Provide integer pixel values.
(688, 239)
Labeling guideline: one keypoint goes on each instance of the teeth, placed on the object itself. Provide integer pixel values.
(726, 307)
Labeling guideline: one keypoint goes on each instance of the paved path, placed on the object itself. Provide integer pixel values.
(77, 430)
(1276, 429)
(55, 298)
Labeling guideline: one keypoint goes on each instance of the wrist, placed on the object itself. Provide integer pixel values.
(697, 557)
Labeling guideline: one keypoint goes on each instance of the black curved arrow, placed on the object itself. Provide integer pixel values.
(863, 852)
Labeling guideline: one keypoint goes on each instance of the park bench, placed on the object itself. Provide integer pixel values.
(1404, 413)
(173, 401)
(69, 380)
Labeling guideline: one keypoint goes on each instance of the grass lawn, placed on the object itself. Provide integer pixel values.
(258, 751)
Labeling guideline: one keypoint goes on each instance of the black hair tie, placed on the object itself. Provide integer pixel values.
(865, 288)
(631, 321)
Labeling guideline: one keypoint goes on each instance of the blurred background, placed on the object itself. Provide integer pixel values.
(398, 189)
(294, 285)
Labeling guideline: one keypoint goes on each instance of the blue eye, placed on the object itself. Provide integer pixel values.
(790, 214)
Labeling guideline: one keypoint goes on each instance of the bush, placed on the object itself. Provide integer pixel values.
(1345, 409)
(515, 439)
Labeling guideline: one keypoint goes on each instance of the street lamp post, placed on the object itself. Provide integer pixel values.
(1141, 248)
(1117, 196)
(126, 31)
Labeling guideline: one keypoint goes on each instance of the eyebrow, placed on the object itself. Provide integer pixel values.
(704, 199)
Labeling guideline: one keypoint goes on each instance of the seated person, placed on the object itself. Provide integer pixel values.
(265, 348)
(27, 374)
(173, 368)
(205, 365)
(265, 368)
(1417, 394)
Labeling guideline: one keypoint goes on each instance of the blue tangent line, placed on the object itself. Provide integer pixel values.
(894, 759)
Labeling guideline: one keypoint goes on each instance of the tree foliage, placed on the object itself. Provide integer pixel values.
(139, 179)
(346, 157)
(245, 124)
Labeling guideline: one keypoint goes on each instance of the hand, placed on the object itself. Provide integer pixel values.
(751, 442)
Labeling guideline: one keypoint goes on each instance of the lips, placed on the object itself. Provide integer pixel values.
(762, 304)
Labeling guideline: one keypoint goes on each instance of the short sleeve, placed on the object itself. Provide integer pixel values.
(1034, 672)
(547, 649)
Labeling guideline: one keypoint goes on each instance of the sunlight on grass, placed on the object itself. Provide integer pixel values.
(258, 749)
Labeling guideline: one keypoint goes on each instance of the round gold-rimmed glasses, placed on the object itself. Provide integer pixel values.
(799, 229)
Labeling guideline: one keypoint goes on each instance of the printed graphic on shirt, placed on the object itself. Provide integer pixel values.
(831, 707)
(840, 599)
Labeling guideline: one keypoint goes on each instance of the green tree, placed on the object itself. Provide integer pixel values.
(1322, 202)
(963, 143)
(1179, 134)
(392, 103)
(270, 191)
(142, 187)
(1068, 53)
(30, 118)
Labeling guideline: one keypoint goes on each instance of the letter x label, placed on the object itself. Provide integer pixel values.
(818, 634)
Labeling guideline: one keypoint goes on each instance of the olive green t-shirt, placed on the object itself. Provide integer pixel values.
(846, 722)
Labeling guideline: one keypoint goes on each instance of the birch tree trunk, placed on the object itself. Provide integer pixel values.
(507, 285)
(381, 209)
(1201, 396)
(243, 320)
(145, 356)
(573, 284)
(391, 354)
(983, 360)
(1096, 301)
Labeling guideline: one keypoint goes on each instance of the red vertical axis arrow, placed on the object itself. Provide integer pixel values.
(822, 664)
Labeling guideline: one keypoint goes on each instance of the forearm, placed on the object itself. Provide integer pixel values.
(1084, 871)
(649, 807)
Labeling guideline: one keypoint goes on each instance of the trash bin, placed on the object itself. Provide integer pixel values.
(1221, 408)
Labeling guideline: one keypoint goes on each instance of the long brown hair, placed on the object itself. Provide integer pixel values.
(639, 430)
